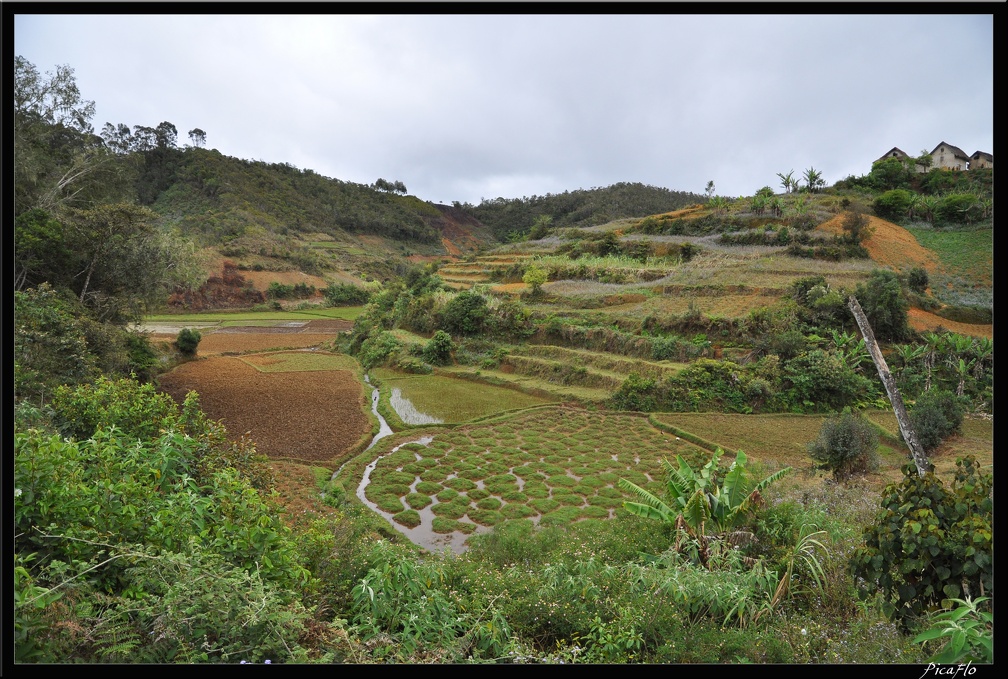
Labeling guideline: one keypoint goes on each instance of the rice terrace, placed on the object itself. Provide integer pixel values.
(267, 416)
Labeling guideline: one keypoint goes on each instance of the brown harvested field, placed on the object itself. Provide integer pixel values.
(317, 417)
(241, 339)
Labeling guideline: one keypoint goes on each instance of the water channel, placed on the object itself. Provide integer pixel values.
(422, 535)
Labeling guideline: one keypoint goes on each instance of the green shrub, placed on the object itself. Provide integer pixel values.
(465, 313)
(930, 543)
(345, 294)
(376, 350)
(847, 444)
(958, 208)
(636, 393)
(893, 205)
(187, 341)
(438, 351)
(136, 410)
(818, 381)
(936, 415)
(917, 280)
(50, 347)
(882, 300)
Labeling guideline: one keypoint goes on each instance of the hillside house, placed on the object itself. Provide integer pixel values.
(949, 157)
(980, 159)
(901, 155)
(894, 152)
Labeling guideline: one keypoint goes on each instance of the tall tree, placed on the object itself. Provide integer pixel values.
(55, 148)
(101, 236)
(197, 137)
(166, 135)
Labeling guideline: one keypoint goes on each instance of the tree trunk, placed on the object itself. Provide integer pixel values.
(919, 456)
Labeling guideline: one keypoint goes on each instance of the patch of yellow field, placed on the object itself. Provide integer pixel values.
(889, 244)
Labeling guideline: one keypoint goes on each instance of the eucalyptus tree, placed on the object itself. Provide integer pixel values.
(197, 137)
(55, 148)
(120, 262)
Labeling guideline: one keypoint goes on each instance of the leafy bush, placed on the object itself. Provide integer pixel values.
(345, 294)
(636, 393)
(787, 344)
(136, 410)
(893, 205)
(917, 280)
(936, 415)
(438, 350)
(883, 302)
(50, 347)
(187, 341)
(855, 224)
(958, 208)
(969, 628)
(377, 349)
(847, 444)
(929, 543)
(464, 314)
(819, 381)
(535, 277)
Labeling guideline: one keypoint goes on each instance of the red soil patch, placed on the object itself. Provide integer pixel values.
(313, 416)
(923, 321)
(889, 244)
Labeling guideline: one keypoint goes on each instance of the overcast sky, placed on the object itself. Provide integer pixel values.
(466, 107)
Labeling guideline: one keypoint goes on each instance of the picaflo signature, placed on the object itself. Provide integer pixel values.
(949, 670)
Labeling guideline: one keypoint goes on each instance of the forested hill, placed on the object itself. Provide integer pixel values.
(217, 198)
(508, 218)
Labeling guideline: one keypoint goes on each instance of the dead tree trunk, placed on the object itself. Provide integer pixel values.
(919, 456)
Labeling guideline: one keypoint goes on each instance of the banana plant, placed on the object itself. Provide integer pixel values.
(851, 348)
(983, 349)
(700, 499)
(936, 344)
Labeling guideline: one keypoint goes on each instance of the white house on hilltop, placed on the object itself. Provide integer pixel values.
(944, 156)
(949, 157)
